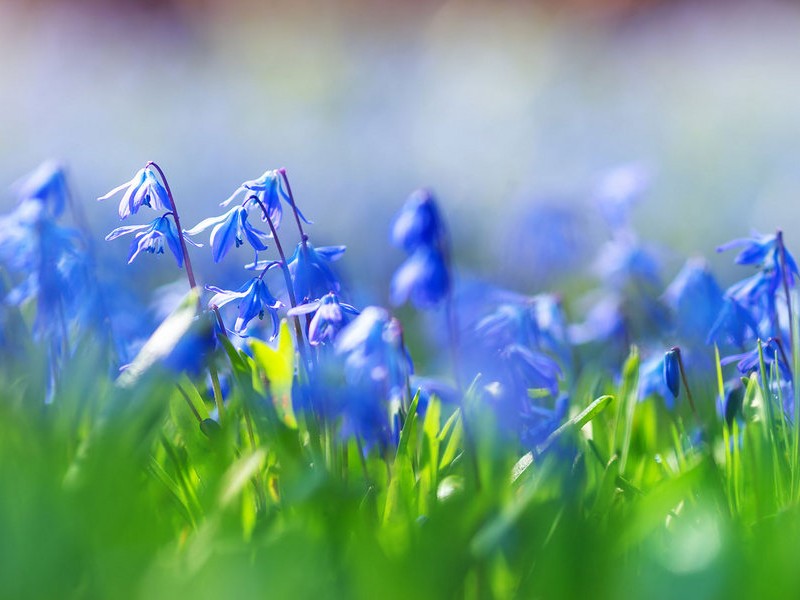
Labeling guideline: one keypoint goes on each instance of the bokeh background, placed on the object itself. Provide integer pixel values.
(510, 111)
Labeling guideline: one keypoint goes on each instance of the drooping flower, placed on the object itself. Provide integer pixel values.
(695, 299)
(269, 190)
(377, 368)
(47, 184)
(229, 229)
(748, 362)
(618, 189)
(311, 274)
(734, 325)
(255, 300)
(143, 190)
(330, 316)
(151, 238)
(419, 223)
(423, 278)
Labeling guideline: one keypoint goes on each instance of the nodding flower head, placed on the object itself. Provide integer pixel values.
(268, 190)
(330, 316)
(695, 299)
(47, 184)
(423, 278)
(255, 300)
(419, 223)
(312, 276)
(229, 229)
(143, 190)
(151, 238)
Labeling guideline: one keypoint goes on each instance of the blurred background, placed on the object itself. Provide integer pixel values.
(510, 111)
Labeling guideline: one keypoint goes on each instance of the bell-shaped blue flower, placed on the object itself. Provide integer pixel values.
(269, 190)
(47, 184)
(229, 229)
(311, 274)
(695, 299)
(423, 278)
(254, 300)
(734, 325)
(143, 190)
(618, 189)
(152, 237)
(330, 316)
(419, 223)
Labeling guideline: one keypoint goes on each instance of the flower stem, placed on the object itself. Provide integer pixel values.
(286, 275)
(218, 400)
(677, 351)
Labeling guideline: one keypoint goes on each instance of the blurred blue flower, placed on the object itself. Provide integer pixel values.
(255, 300)
(47, 184)
(312, 278)
(423, 278)
(269, 190)
(377, 368)
(618, 189)
(528, 369)
(623, 260)
(143, 190)
(734, 325)
(330, 316)
(419, 223)
(537, 423)
(229, 229)
(695, 299)
(605, 321)
(748, 362)
(151, 238)
(652, 380)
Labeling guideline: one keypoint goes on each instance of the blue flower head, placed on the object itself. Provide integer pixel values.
(695, 299)
(760, 250)
(419, 223)
(229, 229)
(672, 372)
(268, 189)
(652, 379)
(423, 278)
(748, 362)
(330, 316)
(47, 184)
(143, 190)
(255, 300)
(618, 190)
(734, 325)
(151, 238)
(376, 368)
(311, 274)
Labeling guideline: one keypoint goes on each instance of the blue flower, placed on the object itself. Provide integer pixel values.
(748, 362)
(151, 238)
(672, 371)
(47, 184)
(695, 298)
(419, 223)
(760, 250)
(538, 422)
(377, 368)
(618, 190)
(312, 278)
(423, 277)
(623, 260)
(269, 190)
(734, 325)
(255, 300)
(330, 316)
(530, 370)
(144, 189)
(229, 229)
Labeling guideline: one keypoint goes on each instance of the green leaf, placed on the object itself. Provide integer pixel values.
(581, 419)
(240, 474)
(278, 367)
